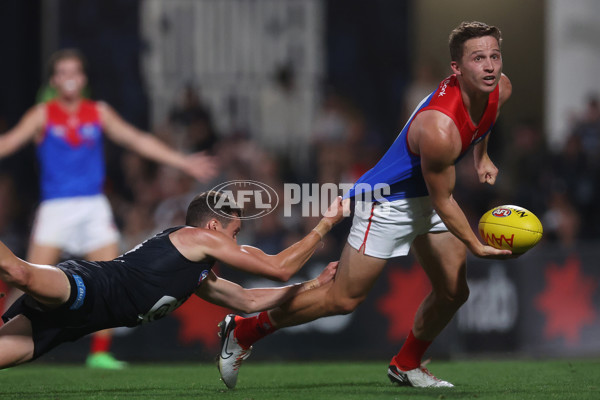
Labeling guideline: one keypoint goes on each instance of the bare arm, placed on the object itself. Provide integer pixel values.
(197, 244)
(28, 127)
(439, 146)
(228, 294)
(198, 165)
(486, 170)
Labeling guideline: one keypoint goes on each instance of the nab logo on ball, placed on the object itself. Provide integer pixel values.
(256, 198)
(511, 228)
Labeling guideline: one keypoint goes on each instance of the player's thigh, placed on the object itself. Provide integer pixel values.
(47, 284)
(356, 274)
(105, 253)
(16, 342)
(43, 254)
(443, 257)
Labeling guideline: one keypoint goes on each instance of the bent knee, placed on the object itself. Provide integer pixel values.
(457, 297)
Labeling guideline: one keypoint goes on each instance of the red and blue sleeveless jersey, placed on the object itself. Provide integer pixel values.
(400, 168)
(71, 153)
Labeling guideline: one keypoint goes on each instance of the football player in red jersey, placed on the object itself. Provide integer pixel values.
(74, 214)
(419, 214)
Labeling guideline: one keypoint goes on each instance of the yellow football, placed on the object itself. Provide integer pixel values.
(511, 228)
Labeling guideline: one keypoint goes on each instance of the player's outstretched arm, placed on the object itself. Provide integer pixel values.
(199, 165)
(290, 260)
(231, 295)
(28, 127)
(196, 244)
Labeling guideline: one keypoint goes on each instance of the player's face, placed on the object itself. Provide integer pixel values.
(481, 64)
(232, 229)
(68, 78)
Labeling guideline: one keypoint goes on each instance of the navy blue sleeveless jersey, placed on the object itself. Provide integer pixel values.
(141, 285)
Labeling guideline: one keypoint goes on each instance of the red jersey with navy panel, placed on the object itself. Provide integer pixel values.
(400, 168)
(71, 152)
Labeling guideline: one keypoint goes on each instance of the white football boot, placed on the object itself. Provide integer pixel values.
(418, 377)
(232, 353)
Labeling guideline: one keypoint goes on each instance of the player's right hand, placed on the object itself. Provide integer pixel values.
(328, 274)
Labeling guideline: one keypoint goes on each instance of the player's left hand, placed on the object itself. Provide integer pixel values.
(201, 166)
(487, 171)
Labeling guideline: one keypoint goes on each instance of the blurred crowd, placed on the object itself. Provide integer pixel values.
(557, 185)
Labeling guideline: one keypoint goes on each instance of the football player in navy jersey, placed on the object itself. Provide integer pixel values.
(77, 297)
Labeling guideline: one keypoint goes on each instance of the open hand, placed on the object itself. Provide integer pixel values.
(201, 166)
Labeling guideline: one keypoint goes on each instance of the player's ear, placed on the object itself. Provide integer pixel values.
(213, 224)
(455, 67)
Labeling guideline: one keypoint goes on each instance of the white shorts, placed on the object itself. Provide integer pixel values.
(386, 230)
(77, 225)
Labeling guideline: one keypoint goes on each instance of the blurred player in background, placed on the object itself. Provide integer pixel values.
(420, 213)
(68, 301)
(74, 214)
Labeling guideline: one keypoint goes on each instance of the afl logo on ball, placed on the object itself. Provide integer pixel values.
(501, 212)
(256, 198)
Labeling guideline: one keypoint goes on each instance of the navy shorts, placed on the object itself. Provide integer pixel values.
(51, 327)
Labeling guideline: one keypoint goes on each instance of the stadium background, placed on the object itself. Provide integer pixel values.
(314, 91)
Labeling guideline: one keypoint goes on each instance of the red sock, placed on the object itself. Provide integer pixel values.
(100, 343)
(250, 330)
(410, 355)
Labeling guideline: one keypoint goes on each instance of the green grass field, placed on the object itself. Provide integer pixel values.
(557, 379)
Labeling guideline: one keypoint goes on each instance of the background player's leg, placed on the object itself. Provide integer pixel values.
(100, 356)
(16, 344)
(43, 254)
(104, 253)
